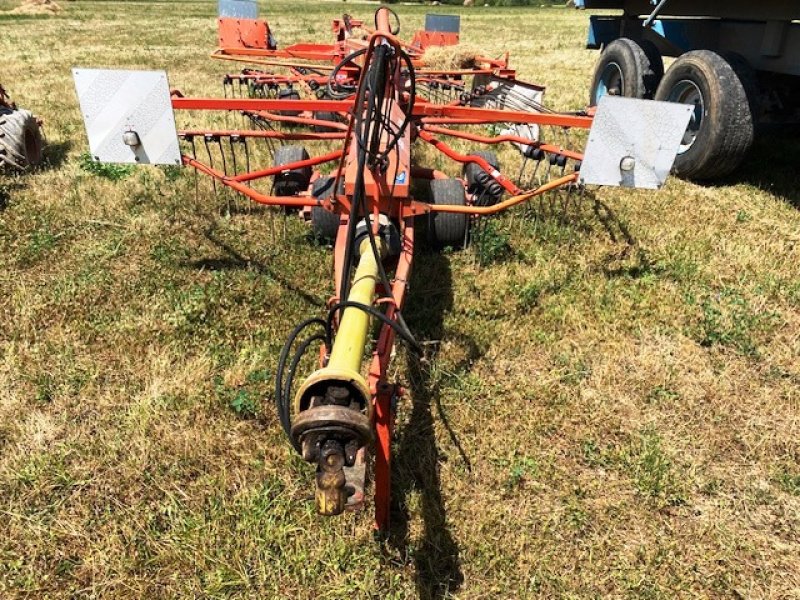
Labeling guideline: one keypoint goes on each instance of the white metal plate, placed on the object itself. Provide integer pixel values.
(114, 102)
(643, 134)
(238, 9)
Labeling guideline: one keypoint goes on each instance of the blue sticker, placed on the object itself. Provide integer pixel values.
(401, 178)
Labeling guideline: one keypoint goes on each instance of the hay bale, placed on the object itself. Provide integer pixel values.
(450, 57)
(37, 7)
(358, 33)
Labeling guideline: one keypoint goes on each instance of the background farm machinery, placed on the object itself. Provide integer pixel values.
(367, 107)
(736, 64)
(20, 136)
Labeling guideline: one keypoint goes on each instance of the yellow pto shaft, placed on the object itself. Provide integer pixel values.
(348, 349)
(334, 404)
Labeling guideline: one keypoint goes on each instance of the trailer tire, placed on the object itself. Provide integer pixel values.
(725, 93)
(448, 229)
(480, 184)
(324, 223)
(290, 183)
(627, 68)
(20, 140)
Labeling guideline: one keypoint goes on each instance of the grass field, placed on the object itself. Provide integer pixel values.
(612, 408)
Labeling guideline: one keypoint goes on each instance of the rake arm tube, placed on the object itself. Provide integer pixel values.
(255, 104)
(464, 158)
(434, 113)
(255, 196)
(499, 139)
(423, 207)
(249, 133)
(310, 162)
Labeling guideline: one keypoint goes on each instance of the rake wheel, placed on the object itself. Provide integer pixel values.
(291, 181)
(324, 223)
(448, 229)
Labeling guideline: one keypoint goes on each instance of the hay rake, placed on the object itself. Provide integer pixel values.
(363, 102)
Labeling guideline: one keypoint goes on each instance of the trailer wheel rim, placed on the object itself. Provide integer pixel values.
(611, 82)
(687, 92)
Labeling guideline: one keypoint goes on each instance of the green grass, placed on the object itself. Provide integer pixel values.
(607, 406)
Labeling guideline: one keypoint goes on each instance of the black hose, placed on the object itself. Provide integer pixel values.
(287, 390)
(375, 83)
(280, 391)
(372, 311)
(349, 89)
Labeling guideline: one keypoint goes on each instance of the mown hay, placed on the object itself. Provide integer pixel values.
(450, 57)
(37, 7)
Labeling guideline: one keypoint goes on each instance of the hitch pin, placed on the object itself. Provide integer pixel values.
(131, 138)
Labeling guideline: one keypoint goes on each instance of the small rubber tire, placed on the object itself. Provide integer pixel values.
(288, 94)
(324, 223)
(290, 183)
(627, 68)
(448, 229)
(20, 140)
(480, 184)
(725, 93)
(326, 116)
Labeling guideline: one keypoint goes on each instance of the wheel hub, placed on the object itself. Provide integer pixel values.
(687, 92)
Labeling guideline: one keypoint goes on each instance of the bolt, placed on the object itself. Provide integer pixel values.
(627, 164)
(338, 395)
(332, 456)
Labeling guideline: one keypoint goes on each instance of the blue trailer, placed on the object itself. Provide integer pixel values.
(737, 62)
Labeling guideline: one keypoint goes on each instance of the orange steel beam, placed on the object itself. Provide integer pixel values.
(481, 139)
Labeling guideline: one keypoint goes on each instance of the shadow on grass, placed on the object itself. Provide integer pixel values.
(771, 165)
(8, 186)
(416, 458)
(617, 231)
(54, 154)
(234, 260)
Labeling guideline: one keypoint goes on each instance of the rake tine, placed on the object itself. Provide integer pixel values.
(222, 155)
(272, 215)
(535, 171)
(225, 95)
(224, 170)
(210, 163)
(522, 168)
(232, 146)
(547, 172)
(246, 154)
(233, 153)
(246, 146)
(582, 197)
(196, 177)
